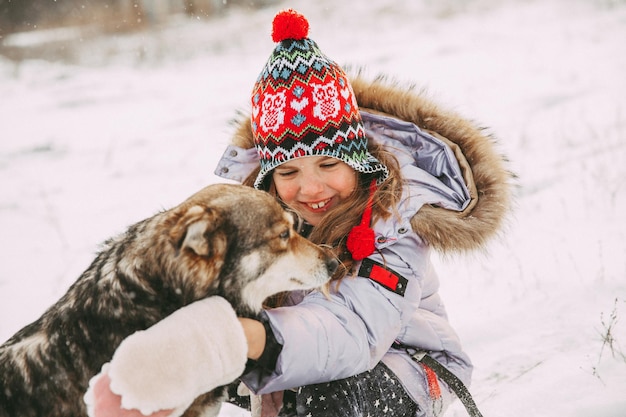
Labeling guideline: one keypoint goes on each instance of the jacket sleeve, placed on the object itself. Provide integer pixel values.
(324, 339)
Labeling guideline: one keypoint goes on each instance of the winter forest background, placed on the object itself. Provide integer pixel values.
(111, 111)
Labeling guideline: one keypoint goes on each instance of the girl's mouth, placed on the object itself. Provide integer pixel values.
(318, 205)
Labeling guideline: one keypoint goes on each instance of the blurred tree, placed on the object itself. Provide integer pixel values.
(19, 15)
(203, 8)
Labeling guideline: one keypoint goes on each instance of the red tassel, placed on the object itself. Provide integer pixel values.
(289, 24)
(361, 238)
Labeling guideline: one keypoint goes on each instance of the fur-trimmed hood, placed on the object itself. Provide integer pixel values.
(484, 171)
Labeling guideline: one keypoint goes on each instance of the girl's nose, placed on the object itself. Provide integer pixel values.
(311, 185)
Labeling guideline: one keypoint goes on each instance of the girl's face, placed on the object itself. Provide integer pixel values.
(312, 185)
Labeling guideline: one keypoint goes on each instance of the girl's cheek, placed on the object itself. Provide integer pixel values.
(286, 191)
(345, 184)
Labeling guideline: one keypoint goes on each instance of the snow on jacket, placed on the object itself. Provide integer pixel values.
(455, 196)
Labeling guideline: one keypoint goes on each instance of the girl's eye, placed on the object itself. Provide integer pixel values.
(285, 173)
(329, 164)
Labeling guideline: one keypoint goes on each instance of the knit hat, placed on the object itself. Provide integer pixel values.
(303, 105)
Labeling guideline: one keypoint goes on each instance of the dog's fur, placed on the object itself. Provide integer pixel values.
(226, 240)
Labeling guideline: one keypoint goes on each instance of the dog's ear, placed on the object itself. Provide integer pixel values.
(197, 229)
(196, 237)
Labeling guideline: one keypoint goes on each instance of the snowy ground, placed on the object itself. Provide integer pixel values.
(133, 123)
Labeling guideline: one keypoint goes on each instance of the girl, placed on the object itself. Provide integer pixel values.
(381, 183)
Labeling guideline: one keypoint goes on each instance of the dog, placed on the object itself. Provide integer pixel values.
(227, 240)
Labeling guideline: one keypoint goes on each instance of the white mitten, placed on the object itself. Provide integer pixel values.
(192, 351)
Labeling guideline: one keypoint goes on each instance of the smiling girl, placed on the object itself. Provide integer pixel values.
(358, 180)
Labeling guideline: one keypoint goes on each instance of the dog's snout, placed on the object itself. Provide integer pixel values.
(331, 265)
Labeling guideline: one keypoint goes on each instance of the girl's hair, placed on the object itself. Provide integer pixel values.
(337, 223)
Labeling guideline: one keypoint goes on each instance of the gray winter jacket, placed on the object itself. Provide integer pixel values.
(326, 339)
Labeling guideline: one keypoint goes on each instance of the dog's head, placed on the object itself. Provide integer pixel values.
(239, 243)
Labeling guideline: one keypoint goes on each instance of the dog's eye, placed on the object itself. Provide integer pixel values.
(285, 235)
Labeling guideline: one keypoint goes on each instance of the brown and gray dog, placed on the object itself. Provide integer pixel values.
(226, 240)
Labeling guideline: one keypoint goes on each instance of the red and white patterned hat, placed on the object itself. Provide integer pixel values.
(303, 105)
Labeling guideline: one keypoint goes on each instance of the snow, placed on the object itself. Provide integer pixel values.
(130, 123)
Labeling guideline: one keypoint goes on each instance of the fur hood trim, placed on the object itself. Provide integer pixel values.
(484, 169)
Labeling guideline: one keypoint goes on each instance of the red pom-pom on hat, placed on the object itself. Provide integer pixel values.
(361, 238)
(360, 242)
(289, 24)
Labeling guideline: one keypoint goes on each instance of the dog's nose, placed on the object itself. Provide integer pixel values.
(331, 265)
